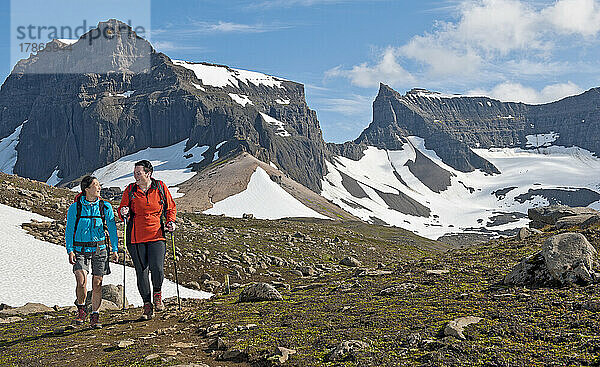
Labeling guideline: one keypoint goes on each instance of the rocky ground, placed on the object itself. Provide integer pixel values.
(393, 302)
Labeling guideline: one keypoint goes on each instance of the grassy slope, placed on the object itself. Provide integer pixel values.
(520, 327)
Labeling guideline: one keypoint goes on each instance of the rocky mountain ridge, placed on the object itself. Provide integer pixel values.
(150, 101)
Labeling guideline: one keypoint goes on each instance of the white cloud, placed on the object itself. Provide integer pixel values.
(387, 70)
(353, 105)
(229, 27)
(194, 28)
(497, 26)
(167, 46)
(515, 92)
(441, 60)
(574, 16)
(490, 40)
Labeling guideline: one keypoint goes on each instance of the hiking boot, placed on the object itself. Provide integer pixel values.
(81, 315)
(94, 318)
(158, 305)
(147, 315)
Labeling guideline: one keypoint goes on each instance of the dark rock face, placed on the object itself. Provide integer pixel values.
(78, 120)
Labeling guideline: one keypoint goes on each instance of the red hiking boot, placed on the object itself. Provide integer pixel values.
(158, 304)
(81, 315)
(147, 315)
(94, 318)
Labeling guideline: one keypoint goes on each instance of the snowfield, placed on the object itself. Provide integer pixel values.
(8, 150)
(170, 166)
(38, 271)
(263, 198)
(469, 202)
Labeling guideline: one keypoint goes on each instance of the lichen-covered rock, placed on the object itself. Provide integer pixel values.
(351, 262)
(345, 351)
(569, 257)
(258, 292)
(456, 327)
(564, 259)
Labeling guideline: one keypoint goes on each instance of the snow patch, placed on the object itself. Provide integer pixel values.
(281, 131)
(221, 76)
(170, 166)
(263, 198)
(282, 101)
(8, 150)
(54, 178)
(541, 140)
(198, 86)
(241, 99)
(67, 41)
(38, 271)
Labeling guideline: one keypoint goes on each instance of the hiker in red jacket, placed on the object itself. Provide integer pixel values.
(143, 205)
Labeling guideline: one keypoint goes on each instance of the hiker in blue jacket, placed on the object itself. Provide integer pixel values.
(87, 220)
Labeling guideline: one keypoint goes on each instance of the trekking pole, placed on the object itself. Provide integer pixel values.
(124, 256)
(175, 264)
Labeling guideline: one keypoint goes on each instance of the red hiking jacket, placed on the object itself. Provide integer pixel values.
(145, 212)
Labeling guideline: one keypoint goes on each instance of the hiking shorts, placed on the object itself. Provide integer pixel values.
(98, 260)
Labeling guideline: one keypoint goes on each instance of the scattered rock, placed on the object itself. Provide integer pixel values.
(10, 320)
(124, 344)
(237, 356)
(258, 292)
(150, 357)
(282, 354)
(437, 271)
(307, 271)
(524, 233)
(345, 351)
(27, 309)
(183, 345)
(456, 327)
(217, 344)
(350, 262)
(398, 289)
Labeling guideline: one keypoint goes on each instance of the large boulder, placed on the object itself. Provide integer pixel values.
(112, 293)
(549, 215)
(569, 257)
(565, 259)
(575, 220)
(258, 292)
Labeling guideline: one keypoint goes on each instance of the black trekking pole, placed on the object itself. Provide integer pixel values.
(124, 256)
(175, 264)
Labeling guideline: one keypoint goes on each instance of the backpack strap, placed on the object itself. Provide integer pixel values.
(79, 216)
(163, 201)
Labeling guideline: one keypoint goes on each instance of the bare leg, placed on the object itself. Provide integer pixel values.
(80, 288)
(96, 292)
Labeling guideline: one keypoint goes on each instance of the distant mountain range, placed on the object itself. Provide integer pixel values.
(432, 163)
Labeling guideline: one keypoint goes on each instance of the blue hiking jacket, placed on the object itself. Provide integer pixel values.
(90, 229)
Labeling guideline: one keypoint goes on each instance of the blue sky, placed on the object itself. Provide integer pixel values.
(530, 51)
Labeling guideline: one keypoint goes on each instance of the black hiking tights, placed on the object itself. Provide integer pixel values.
(148, 256)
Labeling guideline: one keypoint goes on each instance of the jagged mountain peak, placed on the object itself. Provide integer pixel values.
(113, 46)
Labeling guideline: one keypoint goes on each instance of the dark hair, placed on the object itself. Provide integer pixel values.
(86, 182)
(146, 164)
